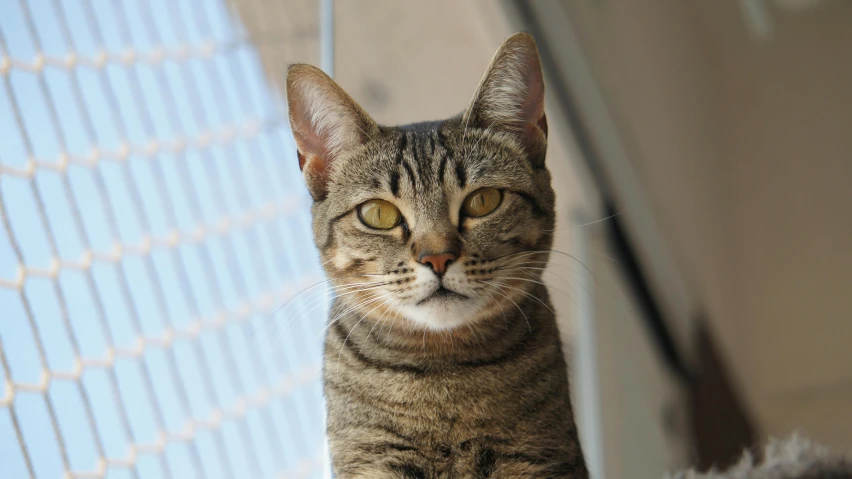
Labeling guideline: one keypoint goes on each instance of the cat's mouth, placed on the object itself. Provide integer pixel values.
(442, 294)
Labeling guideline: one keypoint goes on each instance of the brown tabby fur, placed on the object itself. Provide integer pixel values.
(472, 387)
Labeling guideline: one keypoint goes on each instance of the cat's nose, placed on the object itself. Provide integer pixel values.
(438, 262)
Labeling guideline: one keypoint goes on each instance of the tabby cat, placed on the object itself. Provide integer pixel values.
(442, 356)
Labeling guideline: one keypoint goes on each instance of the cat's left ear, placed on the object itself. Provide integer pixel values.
(326, 123)
(510, 96)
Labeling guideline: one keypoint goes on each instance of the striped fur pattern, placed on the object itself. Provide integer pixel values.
(428, 375)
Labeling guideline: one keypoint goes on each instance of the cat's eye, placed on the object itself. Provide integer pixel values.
(481, 202)
(379, 214)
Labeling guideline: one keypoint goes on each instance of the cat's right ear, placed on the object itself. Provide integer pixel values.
(326, 123)
(510, 97)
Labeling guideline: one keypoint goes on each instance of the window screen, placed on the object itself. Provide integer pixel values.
(153, 222)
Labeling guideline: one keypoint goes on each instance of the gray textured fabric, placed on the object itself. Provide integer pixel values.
(793, 458)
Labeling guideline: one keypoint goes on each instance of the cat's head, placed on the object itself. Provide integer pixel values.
(444, 223)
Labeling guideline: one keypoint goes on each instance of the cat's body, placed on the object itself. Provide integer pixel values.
(442, 357)
(492, 404)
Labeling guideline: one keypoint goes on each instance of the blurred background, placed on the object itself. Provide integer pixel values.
(154, 228)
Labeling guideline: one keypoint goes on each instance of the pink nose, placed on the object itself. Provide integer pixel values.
(438, 262)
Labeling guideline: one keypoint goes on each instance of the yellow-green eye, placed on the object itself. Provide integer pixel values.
(379, 214)
(482, 201)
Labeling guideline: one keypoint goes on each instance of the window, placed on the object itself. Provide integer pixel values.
(152, 222)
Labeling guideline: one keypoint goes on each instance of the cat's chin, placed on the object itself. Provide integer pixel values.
(442, 312)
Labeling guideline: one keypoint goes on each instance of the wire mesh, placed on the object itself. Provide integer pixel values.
(152, 222)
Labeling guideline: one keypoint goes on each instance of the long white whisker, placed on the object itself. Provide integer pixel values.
(572, 257)
(600, 220)
(285, 304)
(499, 290)
(321, 300)
(306, 289)
(395, 303)
(528, 294)
(339, 354)
(533, 279)
(317, 298)
(390, 328)
(529, 269)
(373, 297)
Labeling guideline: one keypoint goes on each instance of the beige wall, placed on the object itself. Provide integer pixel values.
(744, 147)
(283, 31)
(407, 63)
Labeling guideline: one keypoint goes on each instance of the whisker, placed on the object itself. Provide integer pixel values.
(608, 257)
(516, 253)
(317, 297)
(357, 305)
(424, 340)
(285, 304)
(390, 328)
(290, 323)
(319, 300)
(353, 329)
(528, 294)
(374, 297)
(396, 302)
(585, 267)
(499, 290)
(277, 310)
(567, 255)
(600, 220)
(523, 269)
(474, 327)
(575, 259)
(548, 286)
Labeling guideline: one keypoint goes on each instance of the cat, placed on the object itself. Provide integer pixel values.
(442, 356)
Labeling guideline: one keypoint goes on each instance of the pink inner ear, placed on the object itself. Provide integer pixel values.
(313, 158)
(310, 142)
(311, 149)
(315, 165)
(542, 124)
(512, 95)
(533, 106)
(325, 122)
(315, 169)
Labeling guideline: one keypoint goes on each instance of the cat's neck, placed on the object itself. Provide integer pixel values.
(398, 340)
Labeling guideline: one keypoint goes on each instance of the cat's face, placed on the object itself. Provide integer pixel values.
(434, 225)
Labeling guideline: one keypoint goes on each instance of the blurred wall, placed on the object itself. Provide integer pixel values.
(744, 146)
(284, 32)
(410, 62)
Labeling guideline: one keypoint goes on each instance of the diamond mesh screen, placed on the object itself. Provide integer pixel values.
(152, 223)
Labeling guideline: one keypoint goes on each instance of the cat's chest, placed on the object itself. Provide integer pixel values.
(448, 401)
